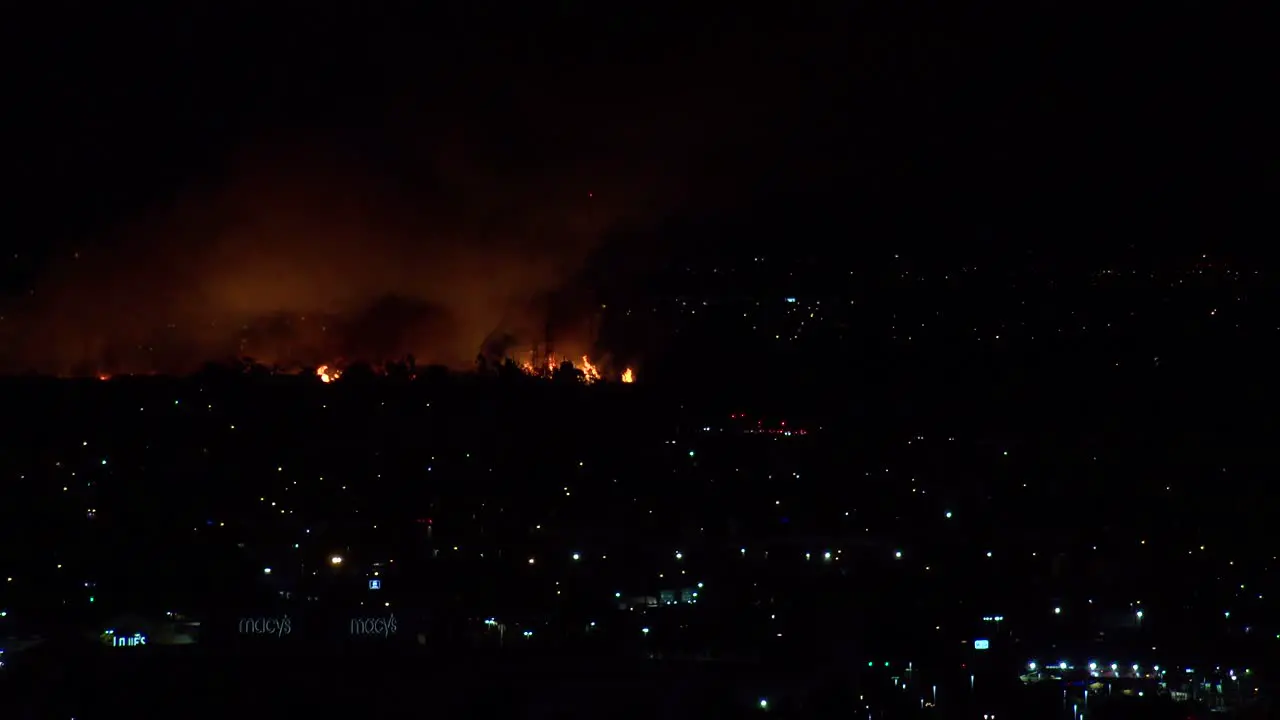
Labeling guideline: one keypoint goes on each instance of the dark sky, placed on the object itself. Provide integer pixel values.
(194, 154)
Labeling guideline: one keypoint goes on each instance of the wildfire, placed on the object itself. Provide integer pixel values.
(589, 371)
(104, 377)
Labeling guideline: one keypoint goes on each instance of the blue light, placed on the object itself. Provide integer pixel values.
(375, 584)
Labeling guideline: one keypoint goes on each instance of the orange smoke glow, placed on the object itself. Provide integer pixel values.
(298, 257)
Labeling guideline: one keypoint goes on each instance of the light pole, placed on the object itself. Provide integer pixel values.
(502, 630)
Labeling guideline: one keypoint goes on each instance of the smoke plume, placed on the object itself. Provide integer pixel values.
(305, 255)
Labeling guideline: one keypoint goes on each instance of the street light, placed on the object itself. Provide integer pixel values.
(502, 630)
(336, 560)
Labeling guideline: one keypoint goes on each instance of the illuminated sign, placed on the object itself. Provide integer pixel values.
(135, 640)
(278, 627)
(981, 644)
(375, 584)
(373, 626)
(283, 628)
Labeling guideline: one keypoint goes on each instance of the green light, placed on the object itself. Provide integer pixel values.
(870, 664)
(90, 598)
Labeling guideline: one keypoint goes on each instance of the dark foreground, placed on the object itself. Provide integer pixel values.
(191, 683)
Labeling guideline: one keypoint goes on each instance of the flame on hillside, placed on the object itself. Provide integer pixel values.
(587, 371)
(590, 372)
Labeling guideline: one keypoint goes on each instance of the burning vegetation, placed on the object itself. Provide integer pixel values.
(328, 374)
(551, 367)
(588, 371)
(583, 370)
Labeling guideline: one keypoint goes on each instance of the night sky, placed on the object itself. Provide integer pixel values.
(199, 167)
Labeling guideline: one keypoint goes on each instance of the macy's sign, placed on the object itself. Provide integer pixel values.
(279, 627)
(384, 626)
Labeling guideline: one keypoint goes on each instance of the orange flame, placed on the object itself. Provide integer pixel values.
(589, 371)
(328, 374)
